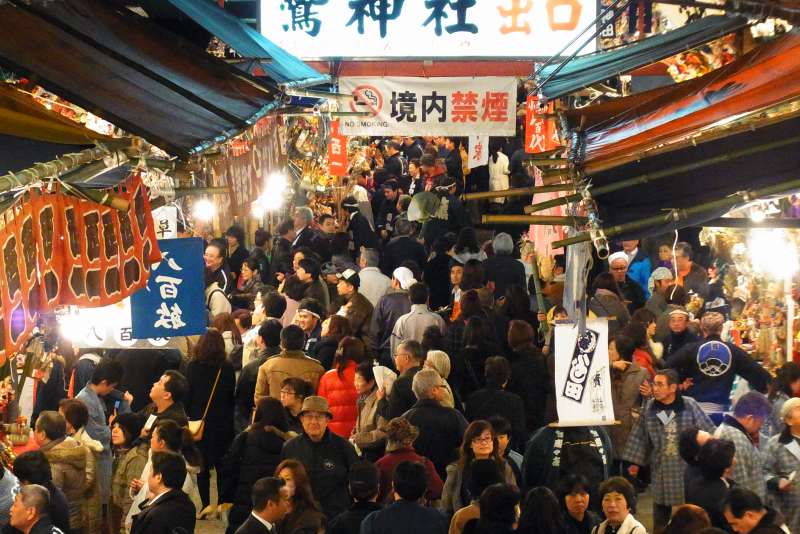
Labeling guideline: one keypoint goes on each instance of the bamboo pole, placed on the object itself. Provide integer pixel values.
(519, 192)
(682, 214)
(546, 162)
(545, 220)
(194, 191)
(57, 167)
(659, 175)
(746, 222)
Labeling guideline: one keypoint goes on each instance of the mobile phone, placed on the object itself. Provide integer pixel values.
(116, 404)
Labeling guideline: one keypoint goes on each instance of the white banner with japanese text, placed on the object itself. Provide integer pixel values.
(583, 379)
(431, 106)
(478, 150)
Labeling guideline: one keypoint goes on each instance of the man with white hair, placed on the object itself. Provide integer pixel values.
(660, 281)
(374, 284)
(305, 235)
(391, 306)
(711, 365)
(29, 511)
(618, 267)
(503, 270)
(440, 428)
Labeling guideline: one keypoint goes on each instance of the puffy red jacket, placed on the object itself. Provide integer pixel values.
(342, 399)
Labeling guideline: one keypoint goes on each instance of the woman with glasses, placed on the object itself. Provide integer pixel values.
(480, 443)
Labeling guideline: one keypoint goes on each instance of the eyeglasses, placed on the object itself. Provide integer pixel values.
(482, 439)
(287, 392)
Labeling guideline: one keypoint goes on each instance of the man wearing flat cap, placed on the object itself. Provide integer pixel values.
(618, 267)
(326, 456)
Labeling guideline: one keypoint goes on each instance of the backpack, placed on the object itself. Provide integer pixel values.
(208, 303)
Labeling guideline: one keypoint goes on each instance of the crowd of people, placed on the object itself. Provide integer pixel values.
(394, 377)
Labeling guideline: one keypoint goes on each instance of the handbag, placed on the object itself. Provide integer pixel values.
(196, 428)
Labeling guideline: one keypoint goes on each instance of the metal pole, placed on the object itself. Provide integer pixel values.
(519, 192)
(545, 220)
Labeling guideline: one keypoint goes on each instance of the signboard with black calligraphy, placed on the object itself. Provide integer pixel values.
(431, 106)
(430, 28)
(173, 303)
(583, 375)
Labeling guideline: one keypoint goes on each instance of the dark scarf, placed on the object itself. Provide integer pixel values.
(677, 405)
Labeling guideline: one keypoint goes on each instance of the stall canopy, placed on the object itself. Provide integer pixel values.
(30, 134)
(630, 128)
(131, 72)
(281, 66)
(587, 70)
(738, 127)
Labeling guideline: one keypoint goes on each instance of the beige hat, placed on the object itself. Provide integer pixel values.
(788, 407)
(440, 361)
(316, 404)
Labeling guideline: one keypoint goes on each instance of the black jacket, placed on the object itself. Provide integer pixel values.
(262, 260)
(400, 249)
(254, 526)
(770, 524)
(172, 510)
(219, 420)
(440, 432)
(436, 275)
(487, 402)
(349, 522)
(709, 494)
(44, 526)
(142, 367)
(395, 166)
(327, 463)
(363, 235)
(236, 260)
(504, 271)
(324, 351)
(253, 455)
(246, 385)
(530, 380)
(633, 293)
(402, 398)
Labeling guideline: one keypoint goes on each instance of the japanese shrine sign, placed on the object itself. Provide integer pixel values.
(425, 28)
(173, 303)
(431, 106)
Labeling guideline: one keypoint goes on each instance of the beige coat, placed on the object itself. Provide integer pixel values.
(626, 399)
(73, 468)
(287, 364)
(128, 467)
(367, 433)
(93, 505)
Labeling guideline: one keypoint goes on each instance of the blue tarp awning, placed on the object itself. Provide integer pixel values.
(584, 71)
(281, 66)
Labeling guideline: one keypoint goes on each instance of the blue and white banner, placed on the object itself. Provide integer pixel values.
(173, 303)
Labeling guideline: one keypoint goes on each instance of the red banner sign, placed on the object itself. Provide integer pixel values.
(57, 250)
(540, 131)
(337, 151)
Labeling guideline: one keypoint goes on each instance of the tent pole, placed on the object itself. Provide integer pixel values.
(658, 175)
(519, 192)
(545, 220)
(682, 214)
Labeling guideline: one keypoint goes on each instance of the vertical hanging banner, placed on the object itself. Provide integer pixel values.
(165, 220)
(540, 131)
(583, 375)
(173, 302)
(431, 106)
(478, 150)
(337, 151)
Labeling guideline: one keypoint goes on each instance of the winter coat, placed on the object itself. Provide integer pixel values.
(171, 511)
(696, 280)
(342, 398)
(627, 402)
(402, 397)
(128, 467)
(361, 232)
(289, 363)
(607, 304)
(219, 419)
(709, 494)
(654, 442)
(374, 284)
(639, 270)
(327, 463)
(454, 492)
(94, 497)
(392, 458)
(73, 469)
(402, 517)
(412, 325)
(367, 434)
(487, 402)
(246, 387)
(254, 454)
(633, 294)
(390, 308)
(505, 271)
(318, 290)
(440, 432)
(358, 311)
(324, 351)
(529, 380)
(436, 275)
(498, 175)
(400, 249)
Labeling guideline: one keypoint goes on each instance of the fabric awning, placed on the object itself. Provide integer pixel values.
(280, 65)
(123, 68)
(626, 129)
(584, 71)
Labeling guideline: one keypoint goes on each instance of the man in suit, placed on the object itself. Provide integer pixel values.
(169, 508)
(270, 505)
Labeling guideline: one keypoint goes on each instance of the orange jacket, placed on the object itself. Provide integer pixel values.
(342, 399)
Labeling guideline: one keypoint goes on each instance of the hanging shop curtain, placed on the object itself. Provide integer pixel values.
(131, 72)
(584, 71)
(280, 65)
